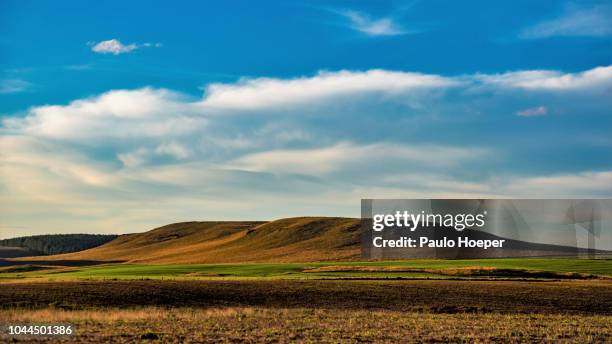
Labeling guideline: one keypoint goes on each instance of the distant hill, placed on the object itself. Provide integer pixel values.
(301, 239)
(287, 240)
(51, 244)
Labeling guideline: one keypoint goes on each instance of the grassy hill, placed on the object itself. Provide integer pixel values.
(300, 239)
(287, 240)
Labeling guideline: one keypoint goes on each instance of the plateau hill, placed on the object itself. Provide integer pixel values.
(286, 240)
(301, 239)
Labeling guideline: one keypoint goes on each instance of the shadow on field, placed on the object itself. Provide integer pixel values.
(436, 296)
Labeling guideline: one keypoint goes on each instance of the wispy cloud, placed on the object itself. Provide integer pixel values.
(533, 112)
(599, 77)
(384, 26)
(13, 86)
(115, 47)
(575, 21)
(346, 155)
(78, 67)
(580, 184)
(152, 45)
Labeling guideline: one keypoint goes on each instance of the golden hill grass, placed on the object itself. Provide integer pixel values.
(300, 239)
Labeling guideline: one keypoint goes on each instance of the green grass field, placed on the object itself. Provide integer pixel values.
(511, 268)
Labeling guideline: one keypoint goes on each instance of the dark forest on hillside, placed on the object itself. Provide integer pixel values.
(58, 243)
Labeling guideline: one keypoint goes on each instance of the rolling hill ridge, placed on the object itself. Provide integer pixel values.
(301, 239)
(286, 240)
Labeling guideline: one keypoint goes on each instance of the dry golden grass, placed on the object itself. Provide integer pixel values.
(288, 240)
(239, 324)
(111, 315)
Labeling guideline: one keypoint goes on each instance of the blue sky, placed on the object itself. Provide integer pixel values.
(116, 117)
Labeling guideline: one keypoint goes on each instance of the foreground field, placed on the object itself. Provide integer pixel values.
(550, 268)
(484, 300)
(441, 296)
(247, 324)
(285, 310)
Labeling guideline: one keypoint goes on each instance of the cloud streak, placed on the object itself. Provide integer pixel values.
(385, 26)
(533, 112)
(586, 22)
(13, 86)
(596, 78)
(346, 156)
(268, 92)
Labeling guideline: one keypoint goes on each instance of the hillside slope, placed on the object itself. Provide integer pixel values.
(301, 239)
(287, 240)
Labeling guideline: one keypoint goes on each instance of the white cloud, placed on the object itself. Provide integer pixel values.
(147, 113)
(385, 26)
(38, 156)
(346, 155)
(115, 47)
(533, 112)
(267, 92)
(13, 86)
(118, 114)
(593, 22)
(598, 77)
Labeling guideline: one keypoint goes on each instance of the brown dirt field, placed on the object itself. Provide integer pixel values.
(437, 296)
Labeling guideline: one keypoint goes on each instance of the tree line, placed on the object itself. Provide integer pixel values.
(59, 243)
